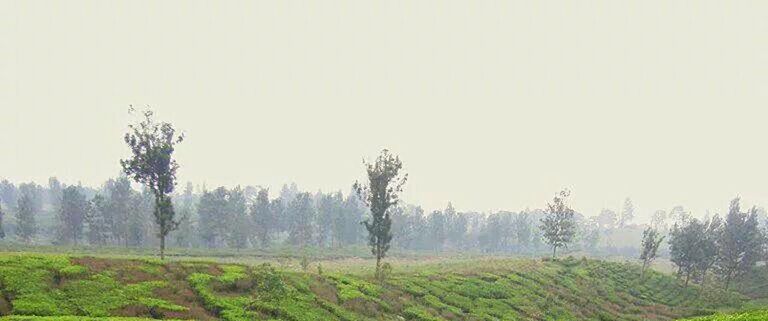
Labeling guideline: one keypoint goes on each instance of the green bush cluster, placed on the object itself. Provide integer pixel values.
(52, 286)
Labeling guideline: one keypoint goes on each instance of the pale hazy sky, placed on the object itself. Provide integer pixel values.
(490, 104)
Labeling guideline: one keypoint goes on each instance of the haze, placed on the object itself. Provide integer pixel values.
(490, 104)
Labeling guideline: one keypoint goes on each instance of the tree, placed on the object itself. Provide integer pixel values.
(522, 223)
(649, 247)
(239, 227)
(152, 145)
(301, 224)
(354, 212)
(607, 219)
(692, 246)
(559, 225)
(8, 193)
(627, 213)
(740, 243)
(71, 214)
(98, 230)
(711, 233)
(659, 220)
(438, 228)
(328, 213)
(212, 214)
(385, 183)
(55, 192)
(2, 231)
(29, 205)
(263, 221)
(184, 235)
(120, 209)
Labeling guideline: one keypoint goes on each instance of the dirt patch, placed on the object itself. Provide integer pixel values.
(132, 311)
(362, 306)
(180, 293)
(325, 290)
(126, 271)
(5, 306)
(93, 264)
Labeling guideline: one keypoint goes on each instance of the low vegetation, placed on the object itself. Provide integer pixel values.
(71, 288)
(744, 316)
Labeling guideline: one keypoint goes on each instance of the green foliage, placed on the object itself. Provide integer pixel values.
(744, 316)
(568, 289)
(72, 318)
(559, 225)
(385, 182)
(152, 145)
(52, 286)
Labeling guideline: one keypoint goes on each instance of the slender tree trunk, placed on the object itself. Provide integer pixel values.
(642, 271)
(162, 247)
(687, 277)
(554, 252)
(727, 280)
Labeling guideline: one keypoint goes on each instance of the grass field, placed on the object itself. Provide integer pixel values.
(478, 289)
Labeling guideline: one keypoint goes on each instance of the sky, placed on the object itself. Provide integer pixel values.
(490, 105)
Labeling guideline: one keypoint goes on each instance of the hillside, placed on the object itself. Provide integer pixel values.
(47, 285)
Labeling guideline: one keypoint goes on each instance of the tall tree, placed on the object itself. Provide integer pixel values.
(385, 183)
(239, 224)
(627, 213)
(152, 145)
(684, 239)
(55, 192)
(72, 212)
(607, 219)
(29, 205)
(438, 228)
(522, 224)
(711, 232)
(95, 219)
(301, 225)
(354, 213)
(8, 193)
(559, 224)
(212, 215)
(120, 209)
(659, 220)
(2, 231)
(263, 221)
(649, 247)
(740, 243)
(184, 235)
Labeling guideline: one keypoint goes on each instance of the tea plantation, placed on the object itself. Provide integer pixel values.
(745, 316)
(62, 288)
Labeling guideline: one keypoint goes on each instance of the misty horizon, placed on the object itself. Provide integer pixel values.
(480, 110)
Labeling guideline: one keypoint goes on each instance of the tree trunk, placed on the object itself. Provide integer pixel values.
(687, 277)
(554, 252)
(162, 247)
(642, 271)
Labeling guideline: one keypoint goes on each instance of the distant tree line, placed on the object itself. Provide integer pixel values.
(119, 214)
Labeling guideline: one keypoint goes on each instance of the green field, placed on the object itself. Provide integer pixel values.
(744, 316)
(488, 289)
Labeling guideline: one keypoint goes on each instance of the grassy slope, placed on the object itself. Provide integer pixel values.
(743, 316)
(479, 290)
